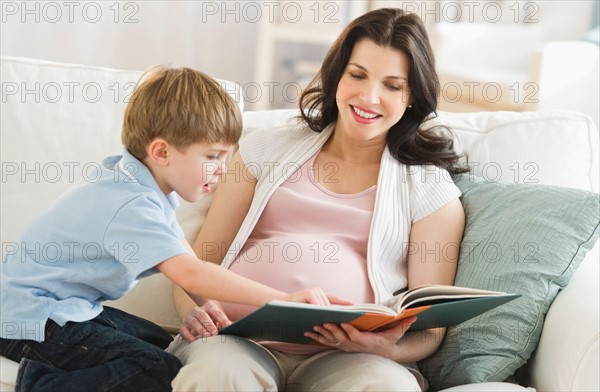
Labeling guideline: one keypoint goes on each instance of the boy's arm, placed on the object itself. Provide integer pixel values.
(202, 279)
(184, 305)
(198, 321)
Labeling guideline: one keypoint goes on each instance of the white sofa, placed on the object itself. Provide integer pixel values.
(58, 120)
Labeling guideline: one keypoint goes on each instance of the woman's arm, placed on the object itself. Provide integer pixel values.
(435, 243)
(227, 212)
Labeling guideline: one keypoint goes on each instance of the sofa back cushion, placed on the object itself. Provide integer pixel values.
(552, 147)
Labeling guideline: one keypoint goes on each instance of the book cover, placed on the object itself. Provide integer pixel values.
(287, 321)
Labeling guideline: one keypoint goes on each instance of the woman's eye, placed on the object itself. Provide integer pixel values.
(356, 76)
(394, 87)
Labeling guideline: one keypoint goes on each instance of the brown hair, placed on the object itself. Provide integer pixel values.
(397, 29)
(182, 106)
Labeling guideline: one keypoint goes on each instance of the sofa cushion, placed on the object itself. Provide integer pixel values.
(525, 239)
(552, 147)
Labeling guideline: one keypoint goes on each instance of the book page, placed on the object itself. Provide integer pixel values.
(434, 293)
(365, 308)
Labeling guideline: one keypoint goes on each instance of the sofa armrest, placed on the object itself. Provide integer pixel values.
(567, 357)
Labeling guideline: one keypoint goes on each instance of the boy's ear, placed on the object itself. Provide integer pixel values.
(158, 151)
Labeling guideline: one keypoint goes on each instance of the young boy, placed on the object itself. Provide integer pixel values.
(105, 235)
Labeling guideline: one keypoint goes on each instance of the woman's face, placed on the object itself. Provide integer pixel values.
(373, 92)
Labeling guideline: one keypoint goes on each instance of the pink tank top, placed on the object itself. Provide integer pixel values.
(306, 237)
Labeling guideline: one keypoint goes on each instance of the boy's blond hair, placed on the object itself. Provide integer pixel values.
(182, 106)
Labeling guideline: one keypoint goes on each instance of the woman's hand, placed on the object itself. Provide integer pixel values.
(316, 296)
(203, 321)
(347, 338)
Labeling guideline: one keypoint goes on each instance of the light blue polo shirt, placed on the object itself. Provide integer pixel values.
(92, 245)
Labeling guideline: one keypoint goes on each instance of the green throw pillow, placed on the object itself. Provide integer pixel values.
(519, 238)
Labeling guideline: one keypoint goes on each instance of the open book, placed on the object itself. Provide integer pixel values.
(434, 306)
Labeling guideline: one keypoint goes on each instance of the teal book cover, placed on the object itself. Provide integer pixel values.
(288, 321)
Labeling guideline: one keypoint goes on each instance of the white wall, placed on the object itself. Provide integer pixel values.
(221, 37)
(217, 37)
(134, 34)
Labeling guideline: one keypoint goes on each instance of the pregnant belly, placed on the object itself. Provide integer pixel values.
(293, 265)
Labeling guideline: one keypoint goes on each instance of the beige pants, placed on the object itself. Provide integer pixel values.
(227, 363)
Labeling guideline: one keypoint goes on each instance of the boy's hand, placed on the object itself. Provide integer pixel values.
(316, 296)
(203, 321)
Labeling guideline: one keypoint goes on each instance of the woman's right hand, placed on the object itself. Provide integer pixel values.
(315, 296)
(203, 321)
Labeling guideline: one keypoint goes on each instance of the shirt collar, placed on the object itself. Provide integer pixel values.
(134, 170)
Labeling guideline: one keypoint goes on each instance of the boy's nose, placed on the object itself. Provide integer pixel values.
(221, 169)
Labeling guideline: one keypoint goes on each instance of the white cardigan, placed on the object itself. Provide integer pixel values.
(405, 194)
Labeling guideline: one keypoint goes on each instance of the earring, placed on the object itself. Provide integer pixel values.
(409, 106)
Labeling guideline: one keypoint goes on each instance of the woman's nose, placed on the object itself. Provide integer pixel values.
(370, 94)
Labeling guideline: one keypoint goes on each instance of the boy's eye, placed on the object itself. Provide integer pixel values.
(213, 157)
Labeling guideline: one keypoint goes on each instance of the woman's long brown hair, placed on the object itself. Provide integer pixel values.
(407, 141)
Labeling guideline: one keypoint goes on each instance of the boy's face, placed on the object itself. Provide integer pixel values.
(193, 172)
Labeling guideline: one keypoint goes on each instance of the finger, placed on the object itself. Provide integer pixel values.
(323, 300)
(336, 336)
(409, 321)
(397, 332)
(187, 334)
(312, 296)
(327, 334)
(315, 336)
(202, 323)
(350, 330)
(337, 300)
(406, 323)
(194, 326)
(326, 341)
(223, 324)
(218, 317)
(317, 296)
(337, 333)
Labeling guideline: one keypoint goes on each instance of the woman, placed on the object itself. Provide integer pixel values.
(356, 199)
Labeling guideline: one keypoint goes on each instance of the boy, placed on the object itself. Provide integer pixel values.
(178, 125)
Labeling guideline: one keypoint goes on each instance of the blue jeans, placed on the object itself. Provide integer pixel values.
(115, 351)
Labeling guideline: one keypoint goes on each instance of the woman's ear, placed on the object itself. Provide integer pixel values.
(158, 151)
